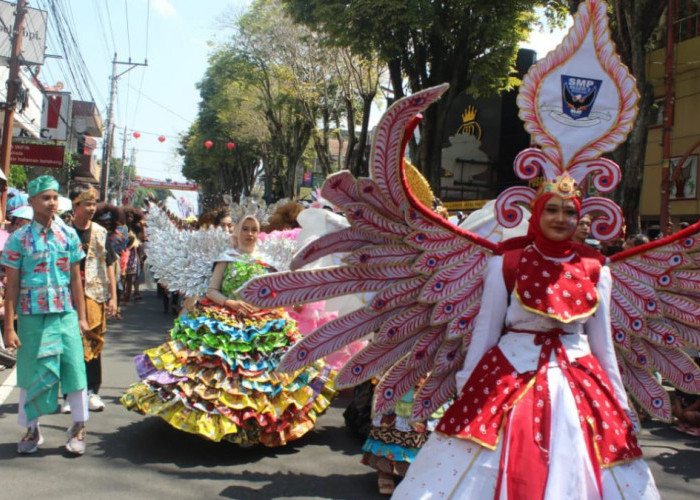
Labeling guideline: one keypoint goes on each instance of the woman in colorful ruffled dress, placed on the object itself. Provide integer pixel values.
(216, 377)
(542, 412)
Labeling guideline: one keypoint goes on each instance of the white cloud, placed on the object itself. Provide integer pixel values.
(164, 8)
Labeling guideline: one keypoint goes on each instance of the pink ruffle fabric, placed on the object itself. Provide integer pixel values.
(311, 316)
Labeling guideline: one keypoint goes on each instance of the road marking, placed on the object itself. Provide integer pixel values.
(8, 385)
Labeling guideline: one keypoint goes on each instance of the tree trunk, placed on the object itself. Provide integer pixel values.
(430, 147)
(323, 155)
(362, 145)
(634, 29)
(350, 152)
(396, 77)
(358, 156)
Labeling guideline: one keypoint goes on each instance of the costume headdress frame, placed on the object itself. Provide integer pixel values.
(577, 103)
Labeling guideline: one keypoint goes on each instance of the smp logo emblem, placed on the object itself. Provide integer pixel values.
(578, 96)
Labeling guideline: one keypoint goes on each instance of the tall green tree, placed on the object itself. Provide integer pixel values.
(470, 44)
(295, 83)
(359, 77)
(265, 90)
(228, 114)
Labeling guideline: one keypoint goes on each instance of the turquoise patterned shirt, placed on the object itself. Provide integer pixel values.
(43, 256)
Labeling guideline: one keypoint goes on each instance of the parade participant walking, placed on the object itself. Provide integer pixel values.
(530, 337)
(537, 335)
(216, 377)
(45, 294)
(99, 284)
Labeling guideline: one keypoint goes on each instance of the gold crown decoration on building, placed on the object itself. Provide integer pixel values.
(469, 114)
(563, 186)
(469, 124)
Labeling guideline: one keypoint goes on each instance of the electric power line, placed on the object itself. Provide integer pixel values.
(109, 20)
(188, 120)
(143, 74)
(103, 31)
(128, 34)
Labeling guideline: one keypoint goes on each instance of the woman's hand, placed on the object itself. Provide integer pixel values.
(240, 306)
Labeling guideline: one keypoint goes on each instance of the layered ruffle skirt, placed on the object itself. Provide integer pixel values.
(216, 378)
(395, 437)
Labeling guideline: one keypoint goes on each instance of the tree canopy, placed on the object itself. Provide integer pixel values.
(471, 44)
(274, 91)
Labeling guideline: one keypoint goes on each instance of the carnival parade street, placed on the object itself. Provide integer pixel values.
(129, 456)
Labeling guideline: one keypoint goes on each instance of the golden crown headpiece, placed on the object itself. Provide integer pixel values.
(562, 185)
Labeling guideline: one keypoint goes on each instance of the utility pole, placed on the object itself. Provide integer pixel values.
(123, 169)
(13, 84)
(669, 103)
(109, 139)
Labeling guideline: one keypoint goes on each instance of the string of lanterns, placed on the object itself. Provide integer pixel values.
(229, 145)
(207, 144)
(137, 134)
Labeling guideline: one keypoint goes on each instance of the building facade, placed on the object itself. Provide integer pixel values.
(684, 205)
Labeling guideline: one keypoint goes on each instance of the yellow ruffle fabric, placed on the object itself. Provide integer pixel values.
(221, 405)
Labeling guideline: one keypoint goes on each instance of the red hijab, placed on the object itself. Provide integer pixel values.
(556, 249)
(534, 231)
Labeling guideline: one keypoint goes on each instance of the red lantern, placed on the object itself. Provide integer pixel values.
(161, 138)
(231, 145)
(208, 144)
(137, 135)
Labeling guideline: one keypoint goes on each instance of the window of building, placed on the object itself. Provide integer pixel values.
(687, 24)
(657, 112)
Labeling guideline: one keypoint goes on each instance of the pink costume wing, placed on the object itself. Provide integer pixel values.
(655, 311)
(426, 274)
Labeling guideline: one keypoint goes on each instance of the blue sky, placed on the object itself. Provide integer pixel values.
(161, 98)
(175, 37)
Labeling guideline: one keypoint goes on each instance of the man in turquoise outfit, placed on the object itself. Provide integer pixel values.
(45, 294)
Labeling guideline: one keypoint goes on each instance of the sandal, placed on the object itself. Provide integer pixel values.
(682, 427)
(386, 484)
(693, 431)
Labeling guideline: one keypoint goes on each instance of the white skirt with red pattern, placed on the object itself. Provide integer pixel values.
(461, 461)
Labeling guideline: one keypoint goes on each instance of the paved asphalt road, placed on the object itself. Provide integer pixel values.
(131, 456)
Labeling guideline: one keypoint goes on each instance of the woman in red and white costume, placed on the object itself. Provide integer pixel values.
(542, 412)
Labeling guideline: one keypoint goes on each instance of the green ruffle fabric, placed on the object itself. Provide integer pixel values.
(251, 342)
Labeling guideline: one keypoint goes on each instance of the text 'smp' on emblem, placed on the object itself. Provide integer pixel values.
(579, 95)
